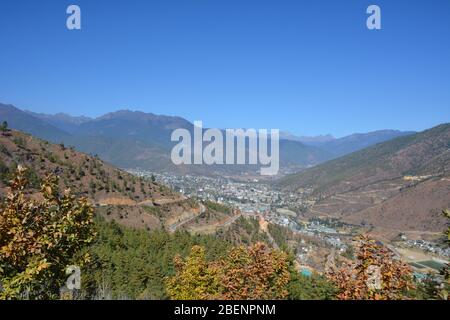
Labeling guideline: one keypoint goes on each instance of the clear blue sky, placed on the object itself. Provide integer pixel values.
(309, 67)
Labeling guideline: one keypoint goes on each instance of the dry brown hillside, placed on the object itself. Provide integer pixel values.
(132, 201)
(397, 186)
(423, 153)
(415, 210)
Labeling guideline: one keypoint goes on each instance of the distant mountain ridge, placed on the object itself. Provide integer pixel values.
(307, 139)
(60, 117)
(387, 160)
(24, 121)
(130, 139)
(358, 141)
(62, 121)
(341, 146)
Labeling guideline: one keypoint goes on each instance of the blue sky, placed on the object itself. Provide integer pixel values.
(309, 67)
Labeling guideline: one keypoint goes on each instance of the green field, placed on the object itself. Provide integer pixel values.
(432, 264)
(416, 265)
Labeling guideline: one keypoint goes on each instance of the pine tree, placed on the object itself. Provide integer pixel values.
(4, 126)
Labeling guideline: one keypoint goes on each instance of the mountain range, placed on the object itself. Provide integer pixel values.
(134, 139)
(337, 147)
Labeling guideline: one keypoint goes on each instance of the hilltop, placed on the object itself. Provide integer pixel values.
(427, 152)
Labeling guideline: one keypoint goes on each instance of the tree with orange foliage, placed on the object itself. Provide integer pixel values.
(253, 273)
(245, 273)
(39, 239)
(376, 275)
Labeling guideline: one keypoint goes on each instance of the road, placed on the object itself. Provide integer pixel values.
(175, 226)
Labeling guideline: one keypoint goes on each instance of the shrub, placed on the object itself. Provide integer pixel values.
(376, 275)
(39, 239)
(245, 273)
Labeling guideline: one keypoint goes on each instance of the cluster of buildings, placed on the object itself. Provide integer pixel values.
(253, 199)
(429, 247)
(246, 196)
